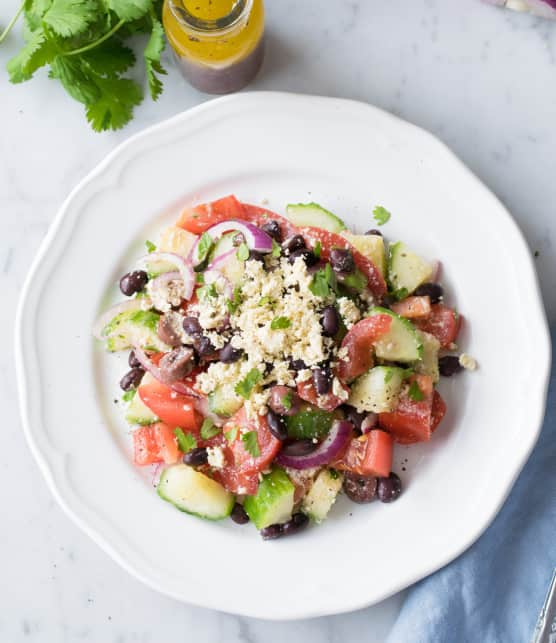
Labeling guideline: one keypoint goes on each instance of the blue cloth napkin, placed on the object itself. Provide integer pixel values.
(494, 592)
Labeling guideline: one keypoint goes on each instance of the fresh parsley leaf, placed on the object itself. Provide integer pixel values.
(276, 249)
(381, 215)
(280, 323)
(129, 9)
(251, 443)
(415, 392)
(317, 249)
(246, 385)
(152, 54)
(287, 400)
(70, 17)
(150, 246)
(204, 247)
(208, 429)
(129, 395)
(242, 252)
(323, 282)
(231, 434)
(186, 441)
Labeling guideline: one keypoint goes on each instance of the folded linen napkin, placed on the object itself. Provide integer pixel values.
(543, 8)
(494, 592)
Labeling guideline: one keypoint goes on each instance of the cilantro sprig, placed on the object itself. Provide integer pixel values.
(323, 282)
(381, 215)
(248, 383)
(186, 441)
(415, 393)
(83, 44)
(251, 443)
(280, 323)
(208, 429)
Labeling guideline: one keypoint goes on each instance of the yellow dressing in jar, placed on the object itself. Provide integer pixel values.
(218, 43)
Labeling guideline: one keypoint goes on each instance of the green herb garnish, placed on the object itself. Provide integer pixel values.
(207, 291)
(186, 441)
(251, 443)
(150, 246)
(263, 301)
(233, 303)
(129, 395)
(204, 247)
(199, 278)
(323, 282)
(280, 323)
(287, 400)
(276, 249)
(208, 429)
(246, 385)
(333, 474)
(415, 393)
(231, 435)
(400, 294)
(317, 249)
(381, 215)
(84, 44)
(242, 252)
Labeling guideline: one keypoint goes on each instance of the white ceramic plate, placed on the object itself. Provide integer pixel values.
(284, 148)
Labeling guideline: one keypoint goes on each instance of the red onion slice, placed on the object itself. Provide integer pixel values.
(182, 266)
(141, 303)
(157, 373)
(340, 432)
(254, 237)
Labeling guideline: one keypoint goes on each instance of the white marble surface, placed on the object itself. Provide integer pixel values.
(482, 79)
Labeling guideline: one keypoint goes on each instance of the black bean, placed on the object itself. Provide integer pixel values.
(374, 231)
(133, 361)
(294, 243)
(133, 282)
(322, 380)
(167, 331)
(229, 354)
(449, 365)
(196, 457)
(239, 515)
(300, 447)
(272, 228)
(388, 300)
(256, 256)
(341, 260)
(132, 379)
(192, 326)
(297, 364)
(177, 364)
(434, 291)
(353, 416)
(390, 488)
(360, 489)
(330, 321)
(308, 257)
(276, 425)
(298, 522)
(272, 531)
(204, 347)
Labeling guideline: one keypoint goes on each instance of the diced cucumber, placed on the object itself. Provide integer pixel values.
(322, 495)
(195, 493)
(428, 364)
(177, 240)
(355, 280)
(378, 390)
(313, 214)
(273, 502)
(138, 413)
(313, 423)
(224, 401)
(406, 270)
(137, 327)
(401, 343)
(223, 245)
(371, 246)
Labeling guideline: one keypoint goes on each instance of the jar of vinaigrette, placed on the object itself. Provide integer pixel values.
(219, 44)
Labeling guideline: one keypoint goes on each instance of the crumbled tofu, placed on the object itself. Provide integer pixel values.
(165, 296)
(216, 457)
(468, 362)
(349, 311)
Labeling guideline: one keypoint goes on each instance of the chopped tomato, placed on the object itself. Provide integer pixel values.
(201, 217)
(330, 240)
(412, 420)
(241, 471)
(359, 345)
(413, 307)
(438, 410)
(368, 455)
(172, 408)
(259, 216)
(443, 322)
(327, 402)
(155, 443)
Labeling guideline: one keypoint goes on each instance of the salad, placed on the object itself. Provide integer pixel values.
(276, 361)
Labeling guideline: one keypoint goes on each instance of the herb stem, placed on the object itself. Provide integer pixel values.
(97, 42)
(7, 30)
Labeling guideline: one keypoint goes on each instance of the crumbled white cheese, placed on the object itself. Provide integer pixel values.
(338, 390)
(304, 374)
(348, 311)
(165, 296)
(468, 362)
(218, 340)
(216, 457)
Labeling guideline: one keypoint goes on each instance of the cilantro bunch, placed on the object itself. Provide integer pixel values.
(84, 44)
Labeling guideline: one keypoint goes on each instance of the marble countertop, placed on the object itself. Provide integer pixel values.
(480, 78)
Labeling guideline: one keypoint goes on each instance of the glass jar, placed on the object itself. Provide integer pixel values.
(219, 44)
